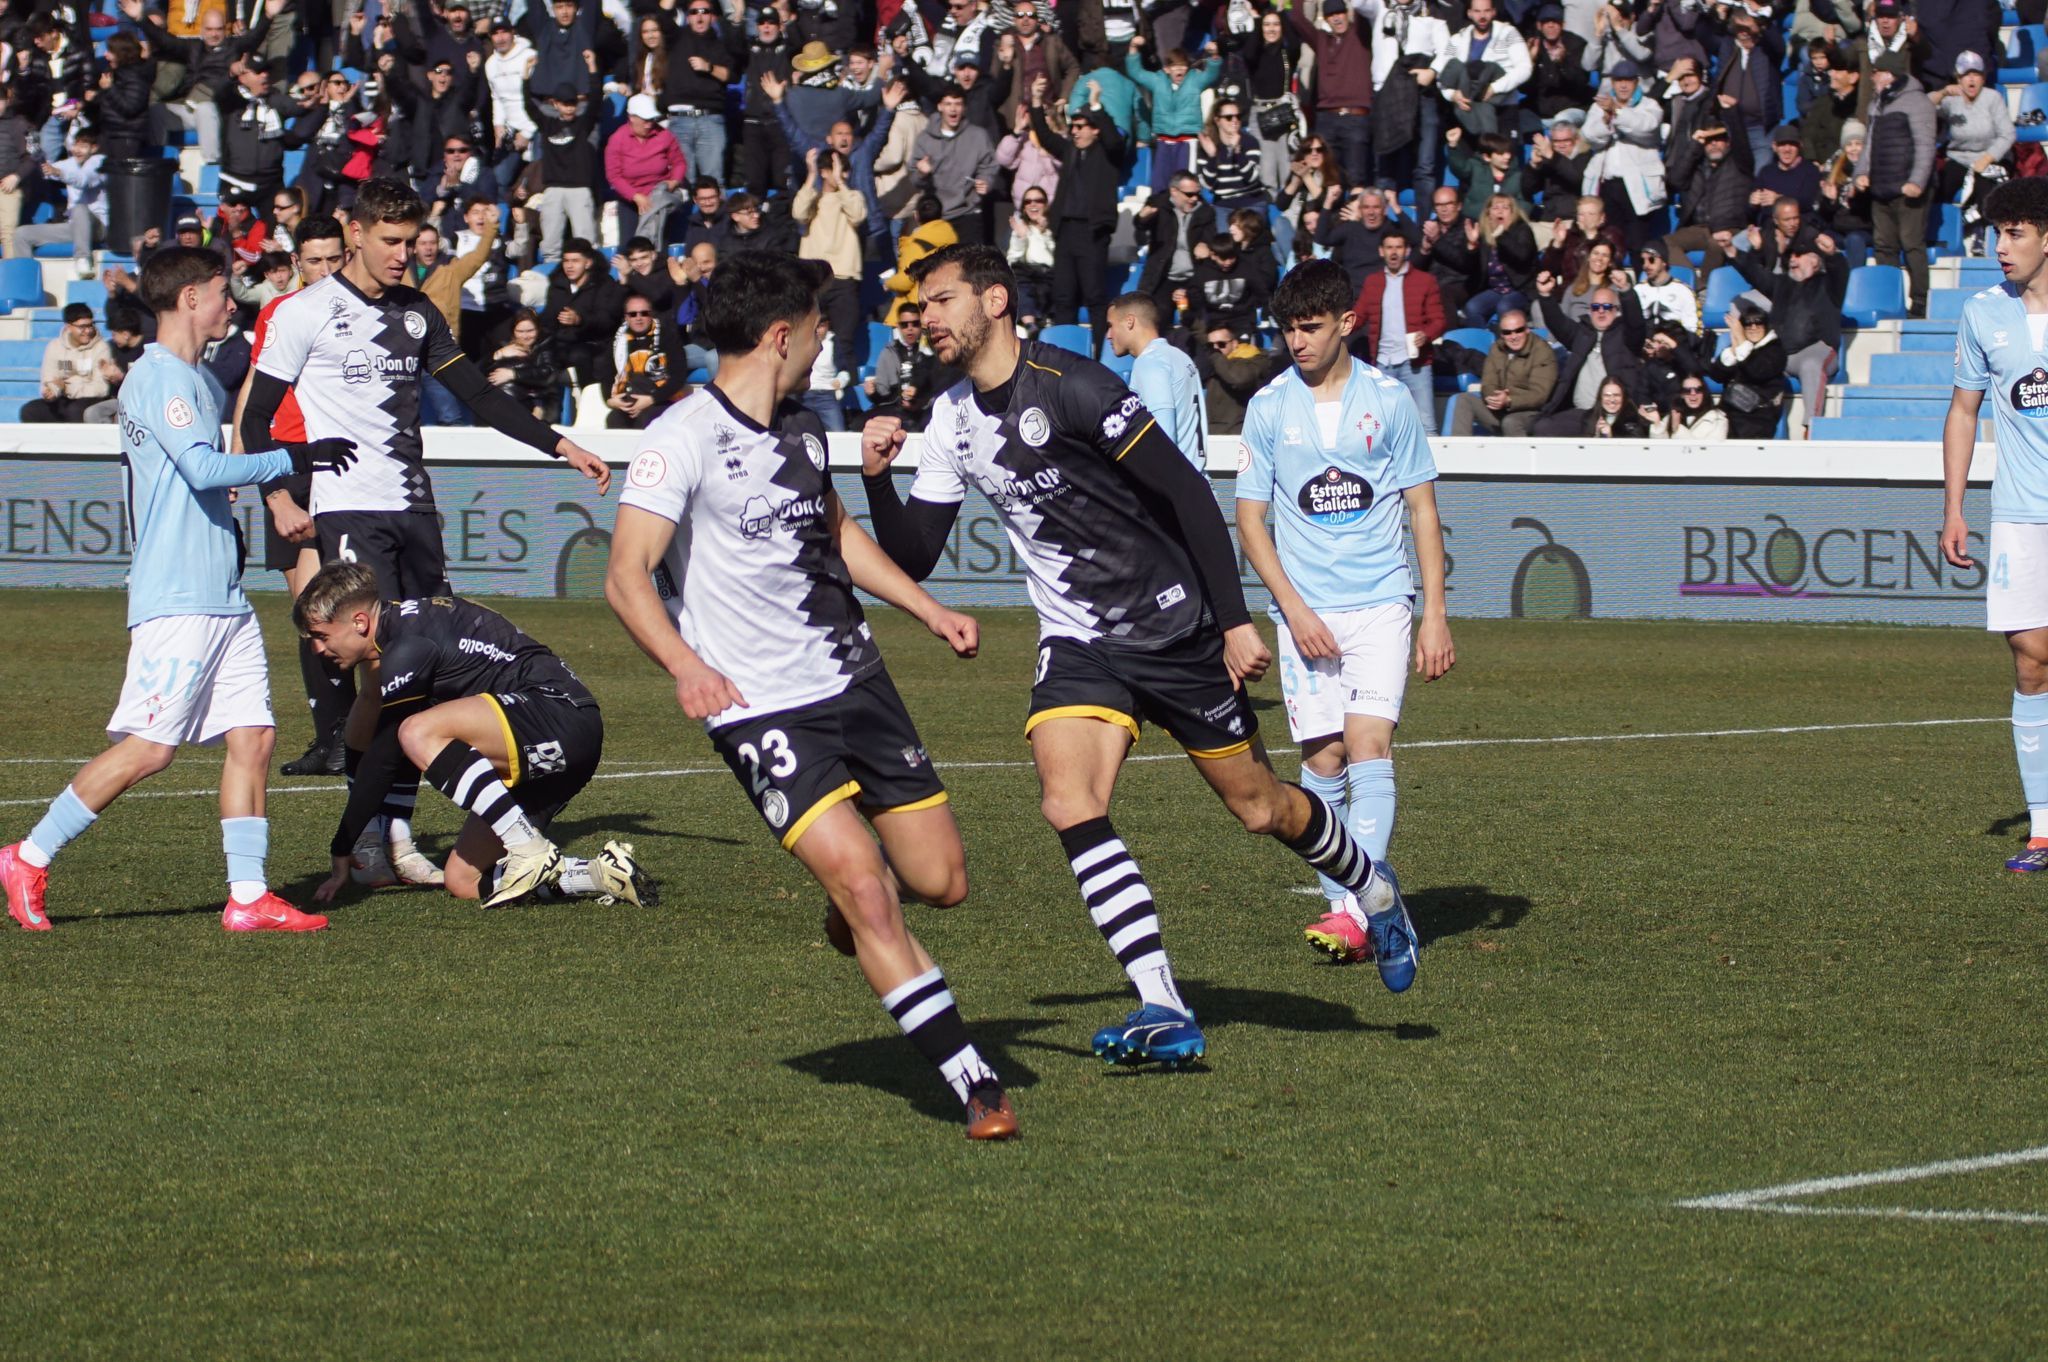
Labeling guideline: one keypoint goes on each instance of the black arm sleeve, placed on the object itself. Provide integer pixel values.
(913, 535)
(492, 407)
(372, 781)
(1156, 464)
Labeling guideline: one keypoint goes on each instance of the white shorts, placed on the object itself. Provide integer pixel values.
(191, 678)
(1369, 678)
(2016, 578)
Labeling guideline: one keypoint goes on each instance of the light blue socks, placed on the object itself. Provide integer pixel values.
(2030, 745)
(1369, 806)
(67, 818)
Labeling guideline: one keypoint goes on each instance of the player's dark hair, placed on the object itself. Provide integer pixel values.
(2022, 200)
(755, 290)
(321, 228)
(387, 200)
(336, 588)
(174, 269)
(981, 269)
(1143, 306)
(1314, 288)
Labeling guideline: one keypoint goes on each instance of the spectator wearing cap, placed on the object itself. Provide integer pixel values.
(1083, 212)
(1787, 175)
(1344, 62)
(1980, 139)
(1176, 94)
(568, 170)
(816, 98)
(840, 137)
(1487, 63)
(428, 35)
(1806, 311)
(1557, 169)
(1040, 51)
(1845, 209)
(700, 63)
(76, 366)
(258, 124)
(956, 161)
(1890, 32)
(1713, 206)
(435, 116)
(1831, 103)
(1950, 28)
(85, 204)
(206, 59)
(1749, 88)
(562, 32)
(1662, 296)
(764, 151)
(1607, 344)
(1409, 37)
(1558, 78)
(644, 165)
(1624, 130)
(1897, 169)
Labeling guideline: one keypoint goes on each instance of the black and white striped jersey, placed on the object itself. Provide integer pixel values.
(1102, 565)
(753, 578)
(355, 364)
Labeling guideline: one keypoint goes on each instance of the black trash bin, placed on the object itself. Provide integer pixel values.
(138, 198)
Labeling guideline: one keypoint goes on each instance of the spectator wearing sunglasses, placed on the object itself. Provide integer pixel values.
(1694, 415)
(1608, 344)
(642, 370)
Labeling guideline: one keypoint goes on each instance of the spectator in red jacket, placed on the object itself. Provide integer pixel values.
(1400, 313)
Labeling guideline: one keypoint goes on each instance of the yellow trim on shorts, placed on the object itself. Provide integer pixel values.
(929, 802)
(1219, 753)
(1132, 442)
(511, 743)
(1043, 370)
(1102, 712)
(826, 801)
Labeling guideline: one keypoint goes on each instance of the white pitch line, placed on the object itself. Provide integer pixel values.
(666, 772)
(1777, 1199)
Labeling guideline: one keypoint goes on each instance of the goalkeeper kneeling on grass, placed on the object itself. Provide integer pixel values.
(497, 723)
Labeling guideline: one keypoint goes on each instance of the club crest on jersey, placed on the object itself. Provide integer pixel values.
(1244, 456)
(415, 325)
(775, 808)
(1118, 421)
(814, 448)
(2030, 394)
(649, 468)
(1033, 428)
(337, 312)
(178, 412)
(1334, 497)
(355, 367)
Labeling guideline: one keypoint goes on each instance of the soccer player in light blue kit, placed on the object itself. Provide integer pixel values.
(1165, 380)
(196, 669)
(1334, 449)
(2002, 348)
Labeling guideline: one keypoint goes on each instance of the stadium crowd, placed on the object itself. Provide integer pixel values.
(1569, 177)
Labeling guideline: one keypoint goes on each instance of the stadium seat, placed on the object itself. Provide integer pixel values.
(21, 284)
(2023, 47)
(1946, 304)
(1876, 293)
(1724, 286)
(1075, 338)
(209, 179)
(54, 250)
(1934, 405)
(91, 292)
(1120, 365)
(1684, 274)
(10, 409)
(2033, 97)
(1880, 430)
(879, 334)
(1908, 369)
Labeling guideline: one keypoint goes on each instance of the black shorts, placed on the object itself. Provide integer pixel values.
(860, 744)
(279, 553)
(555, 741)
(1183, 687)
(402, 547)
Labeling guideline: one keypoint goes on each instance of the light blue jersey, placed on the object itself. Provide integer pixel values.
(1170, 386)
(1995, 351)
(1337, 508)
(186, 559)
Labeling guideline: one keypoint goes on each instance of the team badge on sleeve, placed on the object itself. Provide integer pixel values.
(815, 448)
(178, 412)
(649, 468)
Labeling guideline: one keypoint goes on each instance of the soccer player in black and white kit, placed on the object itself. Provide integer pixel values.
(733, 566)
(1141, 614)
(352, 348)
(499, 724)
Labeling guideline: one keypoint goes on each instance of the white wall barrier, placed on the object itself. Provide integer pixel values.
(1535, 528)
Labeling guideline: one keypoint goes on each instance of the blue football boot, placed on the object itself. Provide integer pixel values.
(2033, 858)
(1152, 1035)
(1393, 935)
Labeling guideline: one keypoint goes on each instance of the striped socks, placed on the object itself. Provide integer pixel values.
(925, 1009)
(1329, 849)
(1120, 904)
(471, 782)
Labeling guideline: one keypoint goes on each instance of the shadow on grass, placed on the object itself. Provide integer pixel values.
(2006, 827)
(1220, 1005)
(629, 827)
(1453, 909)
(888, 1064)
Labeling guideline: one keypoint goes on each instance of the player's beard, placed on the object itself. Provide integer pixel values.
(969, 339)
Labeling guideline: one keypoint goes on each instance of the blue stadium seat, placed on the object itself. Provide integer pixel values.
(21, 285)
(879, 334)
(1929, 342)
(54, 250)
(209, 179)
(2034, 97)
(1876, 429)
(1876, 293)
(22, 354)
(2025, 45)
(91, 292)
(1075, 338)
(1908, 369)
(1120, 365)
(1723, 287)
(1946, 304)
(10, 409)
(1933, 406)
(1684, 274)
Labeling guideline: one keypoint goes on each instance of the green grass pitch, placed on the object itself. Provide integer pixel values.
(1657, 970)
